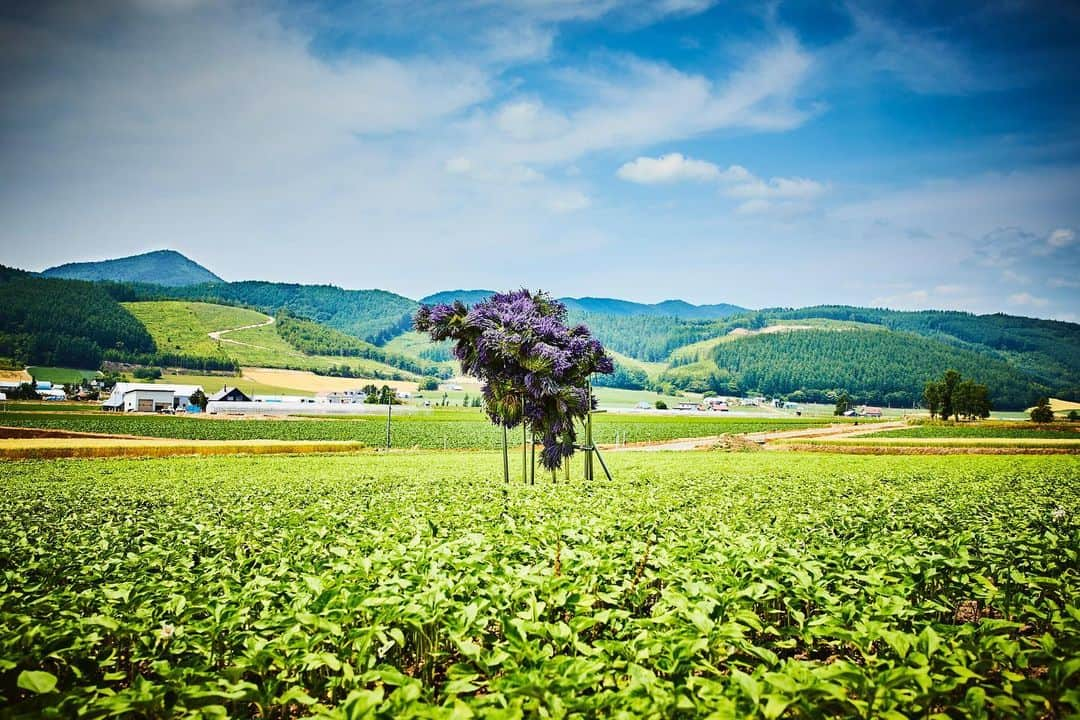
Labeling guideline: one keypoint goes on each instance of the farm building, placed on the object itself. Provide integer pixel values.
(686, 406)
(869, 411)
(148, 397)
(228, 394)
(346, 396)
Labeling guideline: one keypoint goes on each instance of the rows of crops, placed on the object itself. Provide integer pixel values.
(987, 430)
(421, 586)
(470, 430)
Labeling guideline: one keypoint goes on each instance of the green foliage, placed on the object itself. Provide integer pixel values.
(314, 339)
(418, 586)
(983, 430)
(199, 399)
(1042, 412)
(146, 373)
(372, 315)
(161, 267)
(660, 405)
(843, 404)
(1046, 351)
(461, 429)
(870, 364)
(625, 377)
(429, 383)
(64, 323)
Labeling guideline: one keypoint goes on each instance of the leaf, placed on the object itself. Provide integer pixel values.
(37, 681)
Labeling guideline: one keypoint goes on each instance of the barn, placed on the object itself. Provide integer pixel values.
(148, 397)
(228, 394)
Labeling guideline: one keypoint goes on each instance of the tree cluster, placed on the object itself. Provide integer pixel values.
(953, 396)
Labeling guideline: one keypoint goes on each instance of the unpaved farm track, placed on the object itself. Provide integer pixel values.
(761, 438)
(217, 335)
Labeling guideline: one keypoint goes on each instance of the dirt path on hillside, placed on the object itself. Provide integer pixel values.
(217, 335)
(837, 430)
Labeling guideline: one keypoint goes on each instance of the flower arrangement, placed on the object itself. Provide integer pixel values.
(534, 368)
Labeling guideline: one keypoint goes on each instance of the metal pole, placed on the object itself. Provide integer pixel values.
(601, 459)
(389, 405)
(524, 450)
(532, 460)
(506, 459)
(588, 448)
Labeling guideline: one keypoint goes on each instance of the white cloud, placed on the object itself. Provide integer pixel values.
(673, 167)
(568, 201)
(788, 195)
(509, 174)
(1062, 237)
(625, 101)
(1027, 299)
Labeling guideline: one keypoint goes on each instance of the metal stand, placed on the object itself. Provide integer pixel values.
(506, 459)
(590, 448)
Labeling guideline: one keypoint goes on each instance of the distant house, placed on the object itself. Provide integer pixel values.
(869, 411)
(228, 394)
(686, 406)
(345, 397)
(148, 397)
(790, 406)
(644, 406)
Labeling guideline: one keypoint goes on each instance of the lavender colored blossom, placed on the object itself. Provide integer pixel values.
(535, 370)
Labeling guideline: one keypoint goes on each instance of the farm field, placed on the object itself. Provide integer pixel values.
(60, 376)
(1062, 430)
(456, 428)
(420, 585)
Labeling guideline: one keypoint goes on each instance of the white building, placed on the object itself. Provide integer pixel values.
(149, 397)
(346, 396)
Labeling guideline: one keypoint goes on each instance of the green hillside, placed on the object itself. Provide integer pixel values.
(161, 267)
(185, 327)
(873, 365)
(67, 323)
(371, 315)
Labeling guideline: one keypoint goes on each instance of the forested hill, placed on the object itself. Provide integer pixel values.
(372, 315)
(71, 323)
(1048, 351)
(161, 267)
(873, 365)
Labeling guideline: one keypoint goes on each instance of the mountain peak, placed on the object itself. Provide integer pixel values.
(160, 267)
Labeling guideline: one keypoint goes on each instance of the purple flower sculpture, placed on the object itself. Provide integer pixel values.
(534, 368)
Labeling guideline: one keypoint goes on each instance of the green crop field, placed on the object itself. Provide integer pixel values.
(987, 430)
(421, 586)
(458, 428)
(61, 376)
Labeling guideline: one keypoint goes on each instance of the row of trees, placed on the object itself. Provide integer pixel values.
(312, 338)
(953, 396)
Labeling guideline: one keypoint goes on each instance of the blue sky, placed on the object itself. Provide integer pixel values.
(909, 155)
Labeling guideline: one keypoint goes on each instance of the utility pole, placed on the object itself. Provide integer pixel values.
(389, 405)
